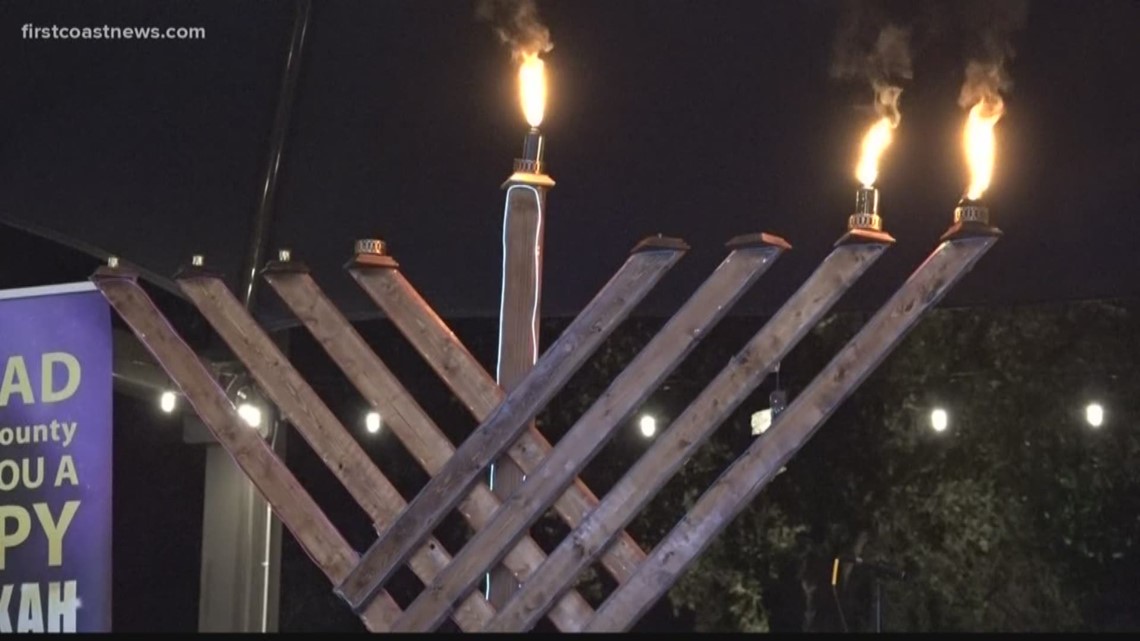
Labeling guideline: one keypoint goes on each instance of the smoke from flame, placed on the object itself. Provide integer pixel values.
(517, 25)
(986, 80)
(532, 88)
(868, 48)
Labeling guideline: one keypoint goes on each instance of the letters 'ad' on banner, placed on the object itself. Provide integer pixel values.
(55, 460)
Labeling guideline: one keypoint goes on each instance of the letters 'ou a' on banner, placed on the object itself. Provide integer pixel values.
(55, 460)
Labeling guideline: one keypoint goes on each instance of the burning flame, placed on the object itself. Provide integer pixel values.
(979, 141)
(532, 88)
(875, 142)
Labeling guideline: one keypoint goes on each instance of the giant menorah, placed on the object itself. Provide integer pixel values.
(404, 529)
(536, 474)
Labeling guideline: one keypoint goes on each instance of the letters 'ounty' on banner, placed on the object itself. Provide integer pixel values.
(55, 460)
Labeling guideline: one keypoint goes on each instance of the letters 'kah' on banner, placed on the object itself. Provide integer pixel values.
(55, 460)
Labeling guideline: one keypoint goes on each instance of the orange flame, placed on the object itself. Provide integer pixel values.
(979, 141)
(875, 142)
(532, 88)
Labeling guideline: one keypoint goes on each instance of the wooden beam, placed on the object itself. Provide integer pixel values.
(404, 417)
(328, 437)
(677, 443)
(291, 503)
(641, 272)
(740, 483)
(749, 259)
(477, 389)
(430, 336)
(523, 226)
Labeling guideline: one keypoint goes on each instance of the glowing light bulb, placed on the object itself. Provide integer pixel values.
(250, 413)
(372, 422)
(168, 401)
(647, 425)
(1094, 414)
(939, 420)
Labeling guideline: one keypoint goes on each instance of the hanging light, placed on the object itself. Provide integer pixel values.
(250, 413)
(168, 401)
(372, 422)
(648, 425)
(761, 421)
(777, 401)
(939, 420)
(1094, 414)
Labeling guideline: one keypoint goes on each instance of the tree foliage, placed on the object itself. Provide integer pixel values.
(1020, 516)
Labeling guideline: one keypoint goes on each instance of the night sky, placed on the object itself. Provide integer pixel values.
(701, 119)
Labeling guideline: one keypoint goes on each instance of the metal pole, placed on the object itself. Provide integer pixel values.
(263, 216)
(248, 450)
(302, 407)
(878, 605)
(230, 498)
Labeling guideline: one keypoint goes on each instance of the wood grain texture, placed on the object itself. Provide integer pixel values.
(320, 428)
(630, 284)
(467, 379)
(408, 422)
(523, 227)
(661, 355)
(681, 439)
(290, 502)
(753, 470)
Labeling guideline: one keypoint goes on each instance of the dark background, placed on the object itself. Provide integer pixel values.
(702, 120)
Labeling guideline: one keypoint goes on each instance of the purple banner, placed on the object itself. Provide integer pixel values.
(55, 460)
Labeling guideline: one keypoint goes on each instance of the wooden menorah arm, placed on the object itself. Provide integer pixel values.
(316, 423)
(712, 300)
(290, 502)
(613, 303)
(407, 420)
(692, 428)
(754, 469)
